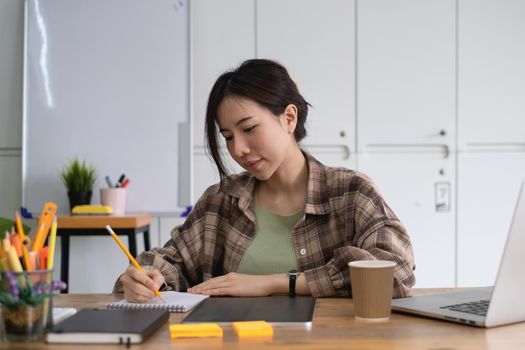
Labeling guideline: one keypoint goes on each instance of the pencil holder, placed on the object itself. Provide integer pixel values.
(115, 198)
(26, 304)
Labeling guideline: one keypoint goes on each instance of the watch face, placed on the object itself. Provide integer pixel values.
(292, 273)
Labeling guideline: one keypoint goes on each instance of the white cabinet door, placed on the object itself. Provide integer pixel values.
(11, 49)
(488, 186)
(222, 36)
(405, 72)
(491, 73)
(420, 189)
(10, 183)
(315, 42)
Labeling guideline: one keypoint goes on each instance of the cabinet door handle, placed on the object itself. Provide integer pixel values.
(446, 151)
(345, 149)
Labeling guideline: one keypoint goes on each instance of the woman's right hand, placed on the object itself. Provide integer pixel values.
(139, 285)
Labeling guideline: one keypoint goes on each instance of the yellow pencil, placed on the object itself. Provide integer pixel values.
(51, 245)
(23, 239)
(14, 262)
(130, 257)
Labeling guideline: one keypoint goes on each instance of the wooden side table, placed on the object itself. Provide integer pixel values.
(95, 225)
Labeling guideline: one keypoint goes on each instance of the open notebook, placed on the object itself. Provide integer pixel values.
(175, 302)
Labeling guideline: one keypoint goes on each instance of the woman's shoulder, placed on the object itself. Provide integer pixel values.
(221, 197)
(346, 177)
(333, 175)
(337, 180)
(344, 185)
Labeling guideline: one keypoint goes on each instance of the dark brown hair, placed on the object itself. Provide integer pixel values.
(263, 81)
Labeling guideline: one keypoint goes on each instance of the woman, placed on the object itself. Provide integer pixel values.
(249, 234)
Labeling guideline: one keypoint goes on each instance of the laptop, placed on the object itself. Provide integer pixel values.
(501, 304)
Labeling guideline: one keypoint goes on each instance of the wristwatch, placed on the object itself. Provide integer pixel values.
(292, 275)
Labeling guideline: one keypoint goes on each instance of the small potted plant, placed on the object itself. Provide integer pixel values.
(22, 297)
(79, 179)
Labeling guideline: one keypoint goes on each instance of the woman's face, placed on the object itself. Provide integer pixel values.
(257, 140)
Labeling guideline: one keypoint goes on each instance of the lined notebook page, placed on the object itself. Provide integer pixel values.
(175, 302)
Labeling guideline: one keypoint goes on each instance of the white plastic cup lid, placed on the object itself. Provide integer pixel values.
(372, 264)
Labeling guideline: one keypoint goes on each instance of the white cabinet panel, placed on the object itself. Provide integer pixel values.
(491, 72)
(405, 72)
(420, 189)
(11, 48)
(315, 42)
(10, 183)
(222, 36)
(488, 186)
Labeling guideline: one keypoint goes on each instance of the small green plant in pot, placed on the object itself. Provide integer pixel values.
(79, 179)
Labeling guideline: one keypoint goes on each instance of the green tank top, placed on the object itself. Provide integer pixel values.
(272, 250)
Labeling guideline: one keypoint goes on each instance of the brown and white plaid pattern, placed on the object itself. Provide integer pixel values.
(345, 219)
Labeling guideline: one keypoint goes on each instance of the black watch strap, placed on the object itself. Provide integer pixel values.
(292, 276)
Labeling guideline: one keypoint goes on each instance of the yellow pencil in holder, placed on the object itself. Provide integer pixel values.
(52, 243)
(24, 239)
(14, 262)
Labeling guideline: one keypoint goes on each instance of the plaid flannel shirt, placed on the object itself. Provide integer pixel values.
(345, 219)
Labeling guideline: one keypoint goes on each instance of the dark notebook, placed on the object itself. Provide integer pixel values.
(277, 309)
(107, 326)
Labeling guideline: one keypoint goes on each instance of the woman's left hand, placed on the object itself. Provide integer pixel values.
(240, 285)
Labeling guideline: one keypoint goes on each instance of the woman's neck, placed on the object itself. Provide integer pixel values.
(285, 191)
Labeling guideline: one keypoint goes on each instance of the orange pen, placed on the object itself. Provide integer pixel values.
(42, 256)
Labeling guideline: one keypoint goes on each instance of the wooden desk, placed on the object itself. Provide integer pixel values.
(95, 225)
(334, 327)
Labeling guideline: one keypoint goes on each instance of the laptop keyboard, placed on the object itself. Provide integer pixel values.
(474, 307)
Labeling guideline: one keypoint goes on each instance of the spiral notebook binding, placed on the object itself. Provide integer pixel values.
(175, 302)
(178, 308)
(170, 308)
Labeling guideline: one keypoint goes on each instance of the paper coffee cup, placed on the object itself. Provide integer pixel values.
(372, 286)
(115, 198)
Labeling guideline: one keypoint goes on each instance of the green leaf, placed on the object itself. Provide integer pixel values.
(77, 176)
(6, 224)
